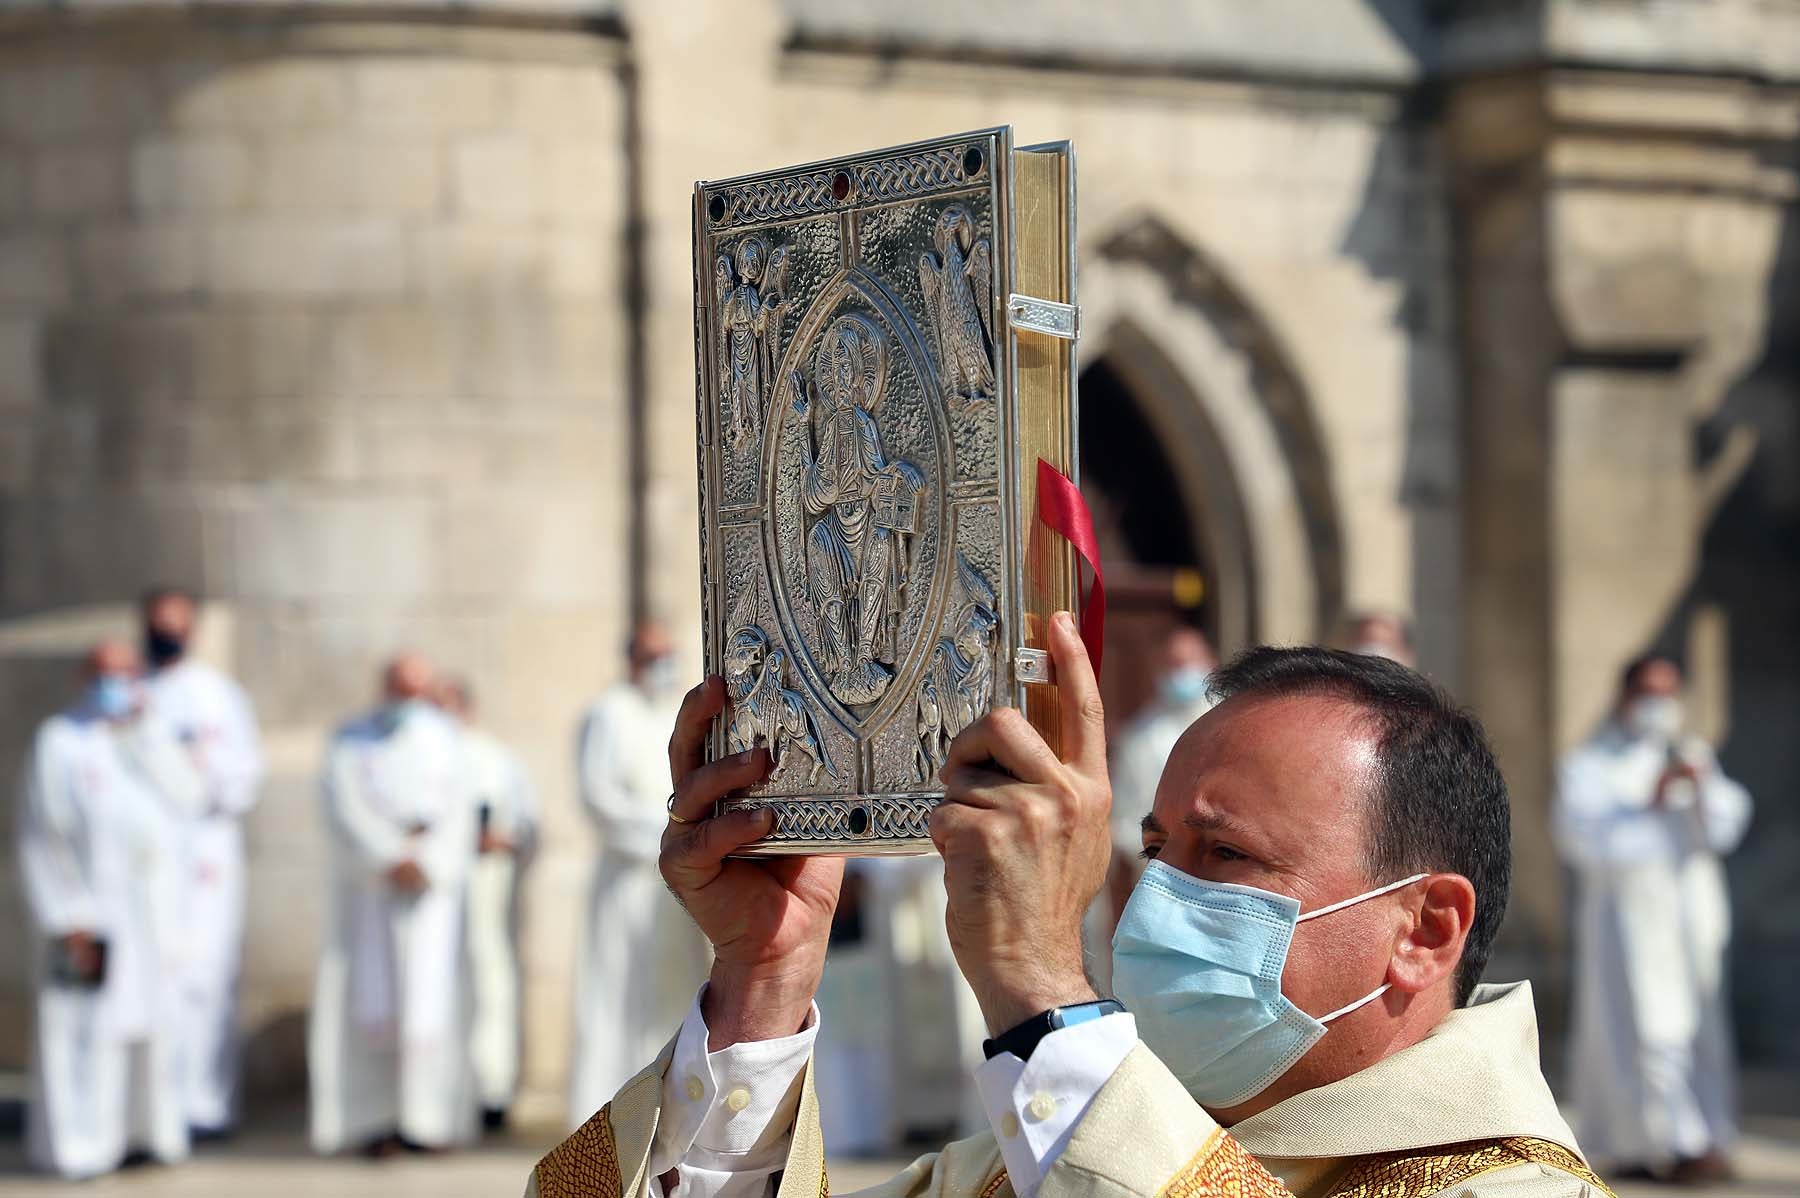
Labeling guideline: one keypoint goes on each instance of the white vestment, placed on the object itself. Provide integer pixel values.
(642, 957)
(500, 789)
(212, 717)
(388, 1042)
(100, 822)
(896, 976)
(1650, 1046)
(1138, 758)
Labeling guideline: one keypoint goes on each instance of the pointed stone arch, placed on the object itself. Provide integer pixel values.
(1214, 379)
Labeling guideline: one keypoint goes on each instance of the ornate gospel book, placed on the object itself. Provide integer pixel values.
(885, 346)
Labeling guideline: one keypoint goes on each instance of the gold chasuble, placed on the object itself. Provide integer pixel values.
(1465, 1113)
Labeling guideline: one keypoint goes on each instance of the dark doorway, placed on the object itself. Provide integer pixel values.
(1156, 572)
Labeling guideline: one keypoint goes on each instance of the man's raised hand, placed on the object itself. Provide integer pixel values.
(768, 920)
(1024, 837)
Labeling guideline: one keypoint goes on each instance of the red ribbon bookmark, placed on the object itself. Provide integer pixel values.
(1062, 510)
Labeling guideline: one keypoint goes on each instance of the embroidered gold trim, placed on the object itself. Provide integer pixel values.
(1428, 1171)
(993, 1186)
(586, 1165)
(1222, 1169)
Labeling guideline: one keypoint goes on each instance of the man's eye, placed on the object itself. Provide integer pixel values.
(1226, 853)
(1150, 852)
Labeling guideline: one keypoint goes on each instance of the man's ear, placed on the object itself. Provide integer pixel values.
(1430, 947)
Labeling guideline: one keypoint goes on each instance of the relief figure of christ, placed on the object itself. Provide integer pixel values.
(861, 507)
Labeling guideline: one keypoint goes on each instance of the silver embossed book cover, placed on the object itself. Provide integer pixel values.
(885, 349)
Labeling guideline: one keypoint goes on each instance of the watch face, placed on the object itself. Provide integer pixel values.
(1070, 1016)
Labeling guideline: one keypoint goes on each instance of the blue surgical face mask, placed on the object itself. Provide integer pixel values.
(1184, 687)
(396, 713)
(659, 678)
(1199, 965)
(112, 696)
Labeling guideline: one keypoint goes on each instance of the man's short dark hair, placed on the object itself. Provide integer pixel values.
(1438, 803)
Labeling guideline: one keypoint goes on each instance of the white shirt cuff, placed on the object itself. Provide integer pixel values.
(1034, 1105)
(728, 1116)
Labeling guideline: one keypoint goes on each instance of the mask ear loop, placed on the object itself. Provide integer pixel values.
(1382, 989)
(1364, 1001)
(1351, 902)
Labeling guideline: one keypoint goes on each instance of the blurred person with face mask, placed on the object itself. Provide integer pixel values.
(641, 956)
(1143, 750)
(506, 820)
(1299, 966)
(387, 1046)
(1643, 815)
(212, 716)
(105, 797)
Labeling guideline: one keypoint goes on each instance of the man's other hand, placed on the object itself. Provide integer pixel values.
(1026, 846)
(768, 920)
(407, 877)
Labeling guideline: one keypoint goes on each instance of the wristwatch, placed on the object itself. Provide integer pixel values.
(1022, 1039)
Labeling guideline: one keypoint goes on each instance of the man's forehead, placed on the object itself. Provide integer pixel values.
(171, 606)
(1256, 755)
(1658, 677)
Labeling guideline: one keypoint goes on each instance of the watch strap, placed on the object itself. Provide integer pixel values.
(1022, 1039)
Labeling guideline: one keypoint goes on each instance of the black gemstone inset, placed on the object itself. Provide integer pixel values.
(972, 161)
(715, 208)
(841, 185)
(859, 821)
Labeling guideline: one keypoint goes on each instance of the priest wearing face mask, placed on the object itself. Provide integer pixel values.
(105, 795)
(1298, 966)
(1143, 750)
(1643, 816)
(213, 718)
(640, 956)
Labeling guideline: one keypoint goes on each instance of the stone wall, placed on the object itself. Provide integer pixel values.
(1621, 277)
(323, 318)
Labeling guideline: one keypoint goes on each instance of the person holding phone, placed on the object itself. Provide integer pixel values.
(1644, 817)
(105, 794)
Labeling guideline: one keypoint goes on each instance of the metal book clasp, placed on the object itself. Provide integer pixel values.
(1033, 666)
(1043, 316)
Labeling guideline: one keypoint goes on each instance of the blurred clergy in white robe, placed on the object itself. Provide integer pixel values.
(506, 823)
(642, 957)
(388, 1043)
(1143, 750)
(105, 794)
(212, 717)
(1643, 815)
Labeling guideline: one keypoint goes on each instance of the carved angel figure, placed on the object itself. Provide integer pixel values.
(764, 710)
(959, 683)
(958, 285)
(751, 285)
(865, 509)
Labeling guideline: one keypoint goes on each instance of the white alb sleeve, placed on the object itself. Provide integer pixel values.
(728, 1116)
(1035, 1105)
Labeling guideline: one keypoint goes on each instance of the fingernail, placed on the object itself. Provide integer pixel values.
(744, 758)
(1064, 620)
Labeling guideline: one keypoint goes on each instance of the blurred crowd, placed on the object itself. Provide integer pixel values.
(130, 841)
(131, 850)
